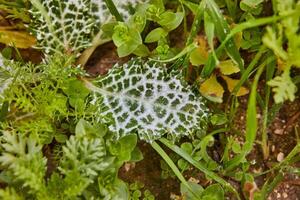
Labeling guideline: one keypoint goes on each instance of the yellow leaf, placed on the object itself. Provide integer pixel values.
(231, 83)
(228, 67)
(200, 55)
(20, 39)
(212, 90)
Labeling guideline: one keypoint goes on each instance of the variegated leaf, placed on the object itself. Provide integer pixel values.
(103, 15)
(68, 26)
(62, 26)
(141, 97)
(5, 78)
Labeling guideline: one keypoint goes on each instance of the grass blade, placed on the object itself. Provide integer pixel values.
(251, 123)
(171, 164)
(198, 165)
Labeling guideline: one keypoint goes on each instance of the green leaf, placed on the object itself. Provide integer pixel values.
(155, 35)
(252, 6)
(170, 20)
(127, 40)
(213, 192)
(10, 194)
(23, 156)
(76, 92)
(218, 119)
(187, 195)
(143, 97)
(127, 145)
(141, 51)
(222, 30)
(85, 129)
(138, 21)
(136, 155)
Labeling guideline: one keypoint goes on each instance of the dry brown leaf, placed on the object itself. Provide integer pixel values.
(231, 83)
(19, 39)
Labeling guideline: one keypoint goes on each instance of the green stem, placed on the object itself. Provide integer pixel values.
(113, 10)
(194, 31)
(251, 125)
(171, 164)
(264, 135)
(253, 23)
(198, 165)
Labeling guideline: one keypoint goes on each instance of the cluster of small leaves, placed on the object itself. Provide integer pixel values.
(69, 26)
(127, 35)
(136, 190)
(142, 97)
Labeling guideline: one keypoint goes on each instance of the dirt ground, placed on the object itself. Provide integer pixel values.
(282, 139)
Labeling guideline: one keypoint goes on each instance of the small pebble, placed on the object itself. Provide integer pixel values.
(280, 157)
(285, 195)
(258, 116)
(273, 148)
(278, 131)
(278, 195)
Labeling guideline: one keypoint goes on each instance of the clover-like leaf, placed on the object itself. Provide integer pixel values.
(141, 97)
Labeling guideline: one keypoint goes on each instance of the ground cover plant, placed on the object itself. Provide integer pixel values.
(149, 99)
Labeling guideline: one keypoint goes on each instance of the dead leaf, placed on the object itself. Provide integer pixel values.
(200, 55)
(228, 67)
(19, 39)
(231, 83)
(212, 90)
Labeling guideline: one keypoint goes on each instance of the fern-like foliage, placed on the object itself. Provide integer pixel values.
(69, 26)
(24, 158)
(283, 87)
(9, 194)
(143, 97)
(86, 156)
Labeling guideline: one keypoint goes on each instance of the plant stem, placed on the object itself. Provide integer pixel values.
(113, 10)
(264, 135)
(97, 41)
(171, 164)
(251, 123)
(198, 165)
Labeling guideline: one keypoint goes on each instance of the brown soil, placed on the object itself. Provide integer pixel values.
(281, 135)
